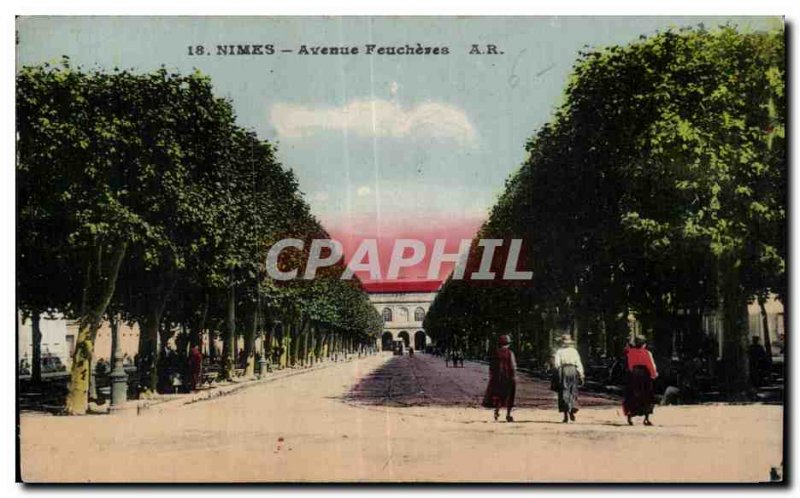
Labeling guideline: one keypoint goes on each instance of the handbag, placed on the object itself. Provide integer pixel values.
(555, 381)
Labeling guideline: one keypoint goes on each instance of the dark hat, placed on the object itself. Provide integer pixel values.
(639, 341)
(504, 340)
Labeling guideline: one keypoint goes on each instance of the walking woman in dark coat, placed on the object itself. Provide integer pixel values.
(502, 387)
(638, 395)
(195, 368)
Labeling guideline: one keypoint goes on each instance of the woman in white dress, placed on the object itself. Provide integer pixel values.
(569, 371)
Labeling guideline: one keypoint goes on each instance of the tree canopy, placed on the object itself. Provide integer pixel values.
(140, 196)
(658, 186)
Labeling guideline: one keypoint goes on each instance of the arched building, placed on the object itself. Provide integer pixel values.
(403, 306)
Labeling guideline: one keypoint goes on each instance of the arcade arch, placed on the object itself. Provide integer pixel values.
(419, 340)
(386, 341)
(403, 335)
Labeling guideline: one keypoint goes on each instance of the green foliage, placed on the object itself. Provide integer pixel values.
(666, 158)
(155, 163)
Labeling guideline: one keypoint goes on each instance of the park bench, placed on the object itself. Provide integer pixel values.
(209, 377)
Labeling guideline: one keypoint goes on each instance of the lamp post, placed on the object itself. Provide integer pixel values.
(262, 358)
(119, 378)
(266, 348)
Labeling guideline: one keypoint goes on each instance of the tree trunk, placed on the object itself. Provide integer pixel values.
(36, 356)
(269, 337)
(582, 336)
(328, 348)
(249, 343)
(77, 402)
(196, 330)
(734, 328)
(313, 347)
(228, 344)
(148, 351)
(283, 344)
(212, 345)
(323, 344)
(765, 325)
(662, 334)
(300, 344)
(319, 338)
(165, 333)
(616, 332)
(291, 330)
(299, 330)
(543, 345)
(306, 339)
(286, 345)
(97, 295)
(149, 330)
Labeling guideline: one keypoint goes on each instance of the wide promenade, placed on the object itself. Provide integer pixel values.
(385, 418)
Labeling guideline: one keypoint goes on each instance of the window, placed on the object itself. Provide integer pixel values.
(387, 315)
(419, 314)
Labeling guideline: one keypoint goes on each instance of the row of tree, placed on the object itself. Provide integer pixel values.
(658, 190)
(139, 197)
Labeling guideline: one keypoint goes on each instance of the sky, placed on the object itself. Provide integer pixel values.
(384, 146)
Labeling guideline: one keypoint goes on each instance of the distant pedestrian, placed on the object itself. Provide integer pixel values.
(758, 362)
(502, 387)
(195, 368)
(24, 366)
(568, 375)
(446, 358)
(638, 397)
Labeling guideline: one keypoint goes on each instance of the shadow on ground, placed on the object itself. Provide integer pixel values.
(424, 380)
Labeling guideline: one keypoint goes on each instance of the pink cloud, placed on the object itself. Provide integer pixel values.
(350, 232)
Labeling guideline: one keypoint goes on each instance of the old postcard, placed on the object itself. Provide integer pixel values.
(401, 249)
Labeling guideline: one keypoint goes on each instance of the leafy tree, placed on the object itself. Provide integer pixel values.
(659, 187)
(145, 179)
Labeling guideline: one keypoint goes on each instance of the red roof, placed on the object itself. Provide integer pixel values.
(399, 286)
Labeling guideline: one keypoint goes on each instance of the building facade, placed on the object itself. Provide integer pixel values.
(712, 326)
(58, 338)
(55, 340)
(403, 307)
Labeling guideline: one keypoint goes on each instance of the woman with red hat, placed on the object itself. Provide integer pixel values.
(502, 387)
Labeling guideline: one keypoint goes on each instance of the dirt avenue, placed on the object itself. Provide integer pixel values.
(423, 380)
(386, 418)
